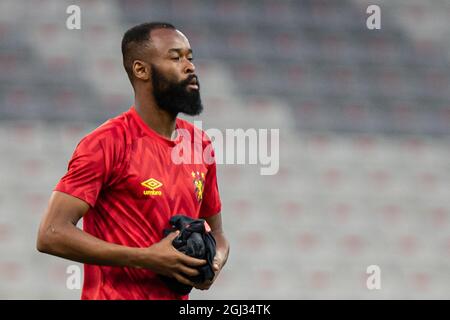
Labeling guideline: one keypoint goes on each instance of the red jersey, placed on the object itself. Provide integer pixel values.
(124, 171)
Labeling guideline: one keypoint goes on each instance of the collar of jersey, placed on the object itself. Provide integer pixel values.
(152, 132)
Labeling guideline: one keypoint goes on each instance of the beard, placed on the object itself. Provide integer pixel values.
(174, 97)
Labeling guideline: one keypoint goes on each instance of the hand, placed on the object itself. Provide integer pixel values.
(217, 266)
(164, 259)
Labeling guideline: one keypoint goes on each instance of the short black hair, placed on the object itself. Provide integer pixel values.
(134, 39)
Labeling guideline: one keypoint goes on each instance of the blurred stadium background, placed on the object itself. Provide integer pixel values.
(364, 119)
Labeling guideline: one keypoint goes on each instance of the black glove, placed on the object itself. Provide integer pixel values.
(194, 240)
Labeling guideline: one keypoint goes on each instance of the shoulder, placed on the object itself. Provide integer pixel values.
(108, 145)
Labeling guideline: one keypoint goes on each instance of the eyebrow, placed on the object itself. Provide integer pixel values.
(178, 50)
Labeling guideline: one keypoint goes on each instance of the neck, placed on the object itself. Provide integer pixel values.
(157, 119)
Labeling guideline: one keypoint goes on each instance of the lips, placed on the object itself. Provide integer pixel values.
(193, 84)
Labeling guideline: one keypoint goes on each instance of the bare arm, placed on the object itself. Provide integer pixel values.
(222, 249)
(222, 245)
(59, 236)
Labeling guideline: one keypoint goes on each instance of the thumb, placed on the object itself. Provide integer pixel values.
(172, 235)
(216, 263)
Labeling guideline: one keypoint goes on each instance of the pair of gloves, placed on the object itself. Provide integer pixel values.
(194, 240)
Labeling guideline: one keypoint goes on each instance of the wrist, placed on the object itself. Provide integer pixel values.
(139, 257)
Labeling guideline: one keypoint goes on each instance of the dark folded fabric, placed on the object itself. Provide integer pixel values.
(194, 240)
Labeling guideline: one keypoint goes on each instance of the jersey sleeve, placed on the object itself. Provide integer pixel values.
(211, 203)
(89, 169)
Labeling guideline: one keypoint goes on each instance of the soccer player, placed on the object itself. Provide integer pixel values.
(124, 183)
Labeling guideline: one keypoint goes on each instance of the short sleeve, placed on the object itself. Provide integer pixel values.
(88, 171)
(211, 203)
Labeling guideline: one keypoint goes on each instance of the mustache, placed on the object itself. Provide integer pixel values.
(189, 79)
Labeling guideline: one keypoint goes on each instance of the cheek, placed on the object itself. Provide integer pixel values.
(170, 73)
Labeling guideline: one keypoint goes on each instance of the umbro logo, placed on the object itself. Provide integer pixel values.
(152, 185)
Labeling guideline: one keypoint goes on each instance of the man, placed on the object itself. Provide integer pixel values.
(124, 183)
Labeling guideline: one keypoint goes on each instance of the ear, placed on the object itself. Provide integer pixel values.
(141, 70)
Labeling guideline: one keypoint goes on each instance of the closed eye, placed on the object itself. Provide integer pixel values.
(179, 58)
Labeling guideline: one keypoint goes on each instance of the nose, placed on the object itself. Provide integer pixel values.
(189, 67)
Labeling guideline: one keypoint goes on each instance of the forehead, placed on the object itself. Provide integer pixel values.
(165, 39)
